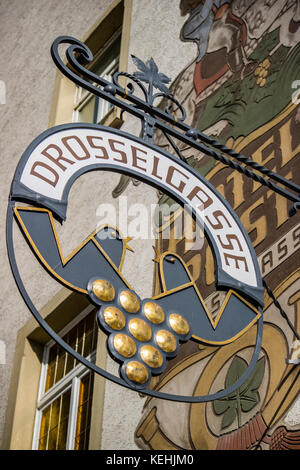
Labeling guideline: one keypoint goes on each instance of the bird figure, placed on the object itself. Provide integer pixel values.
(102, 252)
(180, 291)
(142, 333)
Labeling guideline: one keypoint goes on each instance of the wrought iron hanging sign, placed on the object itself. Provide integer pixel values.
(142, 333)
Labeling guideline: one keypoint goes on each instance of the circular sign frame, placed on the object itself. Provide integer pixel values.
(153, 166)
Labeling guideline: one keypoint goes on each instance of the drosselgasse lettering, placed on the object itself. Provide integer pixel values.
(60, 157)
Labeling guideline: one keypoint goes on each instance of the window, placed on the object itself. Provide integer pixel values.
(108, 41)
(88, 107)
(66, 388)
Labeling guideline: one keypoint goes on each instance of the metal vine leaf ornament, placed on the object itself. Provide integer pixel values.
(142, 333)
(149, 74)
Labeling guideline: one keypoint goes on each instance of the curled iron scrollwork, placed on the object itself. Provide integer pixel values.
(79, 55)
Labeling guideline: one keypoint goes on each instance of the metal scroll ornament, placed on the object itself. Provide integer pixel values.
(142, 334)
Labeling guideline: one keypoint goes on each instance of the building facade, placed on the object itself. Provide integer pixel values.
(234, 66)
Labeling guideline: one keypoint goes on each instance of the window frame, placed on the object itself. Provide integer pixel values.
(115, 21)
(71, 381)
(60, 311)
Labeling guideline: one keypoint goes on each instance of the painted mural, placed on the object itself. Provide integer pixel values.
(243, 89)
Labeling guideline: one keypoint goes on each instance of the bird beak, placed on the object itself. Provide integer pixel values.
(127, 247)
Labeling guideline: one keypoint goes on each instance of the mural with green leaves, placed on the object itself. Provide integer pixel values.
(245, 398)
(249, 103)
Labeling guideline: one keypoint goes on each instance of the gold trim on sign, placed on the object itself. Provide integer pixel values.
(192, 283)
(65, 260)
(171, 220)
